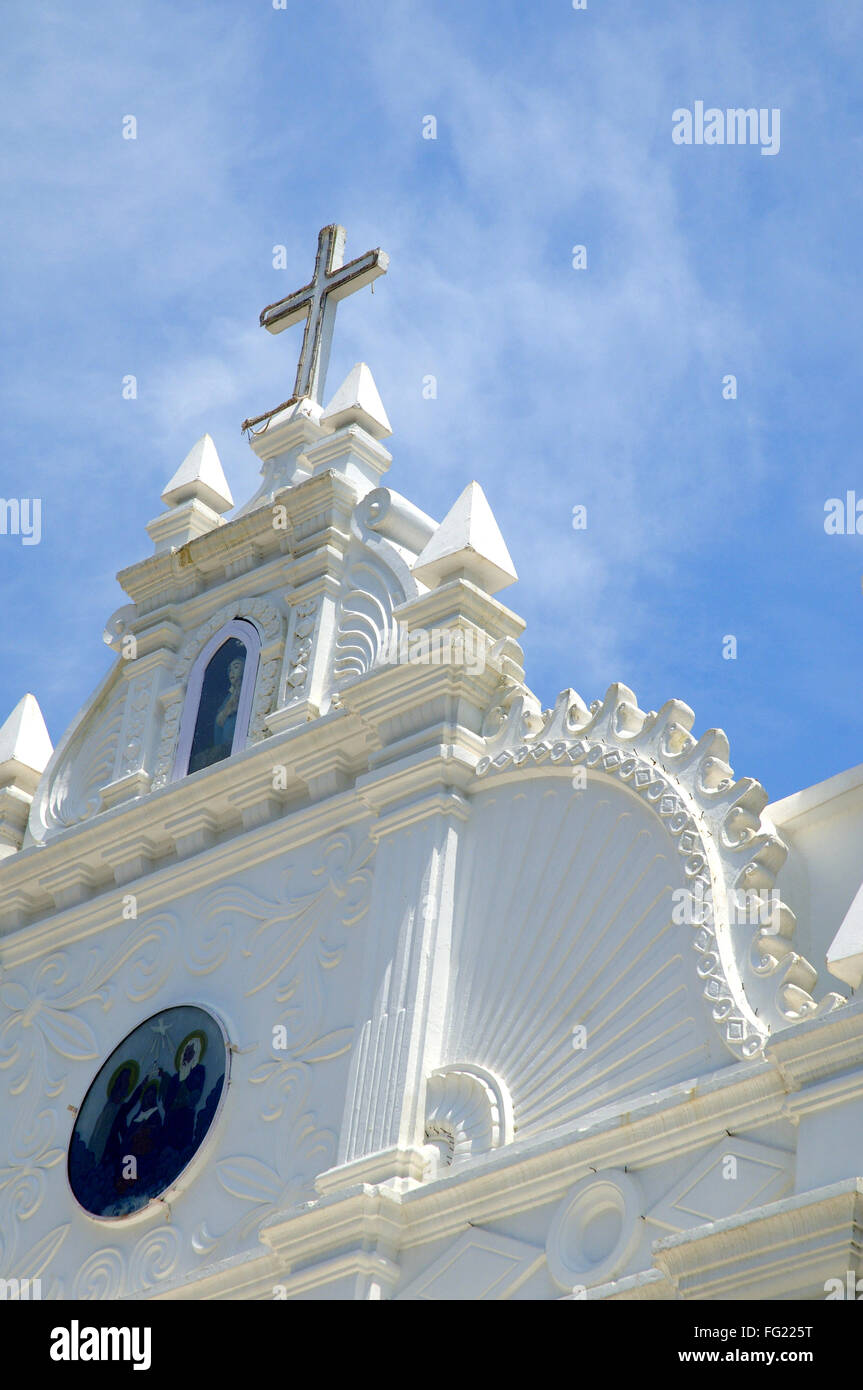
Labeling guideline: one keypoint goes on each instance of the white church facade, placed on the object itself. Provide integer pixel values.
(335, 967)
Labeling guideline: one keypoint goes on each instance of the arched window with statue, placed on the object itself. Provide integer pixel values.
(215, 721)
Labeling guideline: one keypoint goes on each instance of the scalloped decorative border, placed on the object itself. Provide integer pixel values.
(715, 821)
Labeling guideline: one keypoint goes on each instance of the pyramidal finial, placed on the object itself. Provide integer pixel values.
(24, 739)
(357, 402)
(467, 544)
(201, 478)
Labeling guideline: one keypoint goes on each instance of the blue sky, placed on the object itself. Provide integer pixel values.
(556, 386)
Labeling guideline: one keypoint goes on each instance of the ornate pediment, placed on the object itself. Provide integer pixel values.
(325, 618)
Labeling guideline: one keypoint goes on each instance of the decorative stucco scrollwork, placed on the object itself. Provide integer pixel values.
(366, 623)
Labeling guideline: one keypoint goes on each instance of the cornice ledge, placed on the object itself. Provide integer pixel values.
(460, 598)
(241, 826)
(365, 1211)
(444, 770)
(531, 1172)
(250, 1274)
(648, 1286)
(790, 1245)
(815, 1049)
(256, 1276)
(251, 533)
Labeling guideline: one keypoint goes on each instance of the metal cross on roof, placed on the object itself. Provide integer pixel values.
(316, 303)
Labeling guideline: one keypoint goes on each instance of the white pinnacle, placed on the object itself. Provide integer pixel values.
(200, 477)
(467, 544)
(357, 402)
(24, 738)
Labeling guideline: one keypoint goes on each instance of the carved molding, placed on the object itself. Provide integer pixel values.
(132, 750)
(300, 648)
(755, 982)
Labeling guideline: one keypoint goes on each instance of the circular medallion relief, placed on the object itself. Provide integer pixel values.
(148, 1111)
(595, 1229)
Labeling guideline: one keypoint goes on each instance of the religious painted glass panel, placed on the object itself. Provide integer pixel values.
(216, 723)
(148, 1111)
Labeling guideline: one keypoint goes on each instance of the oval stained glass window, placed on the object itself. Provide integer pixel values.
(148, 1111)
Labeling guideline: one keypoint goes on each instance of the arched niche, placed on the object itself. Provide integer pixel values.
(218, 704)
